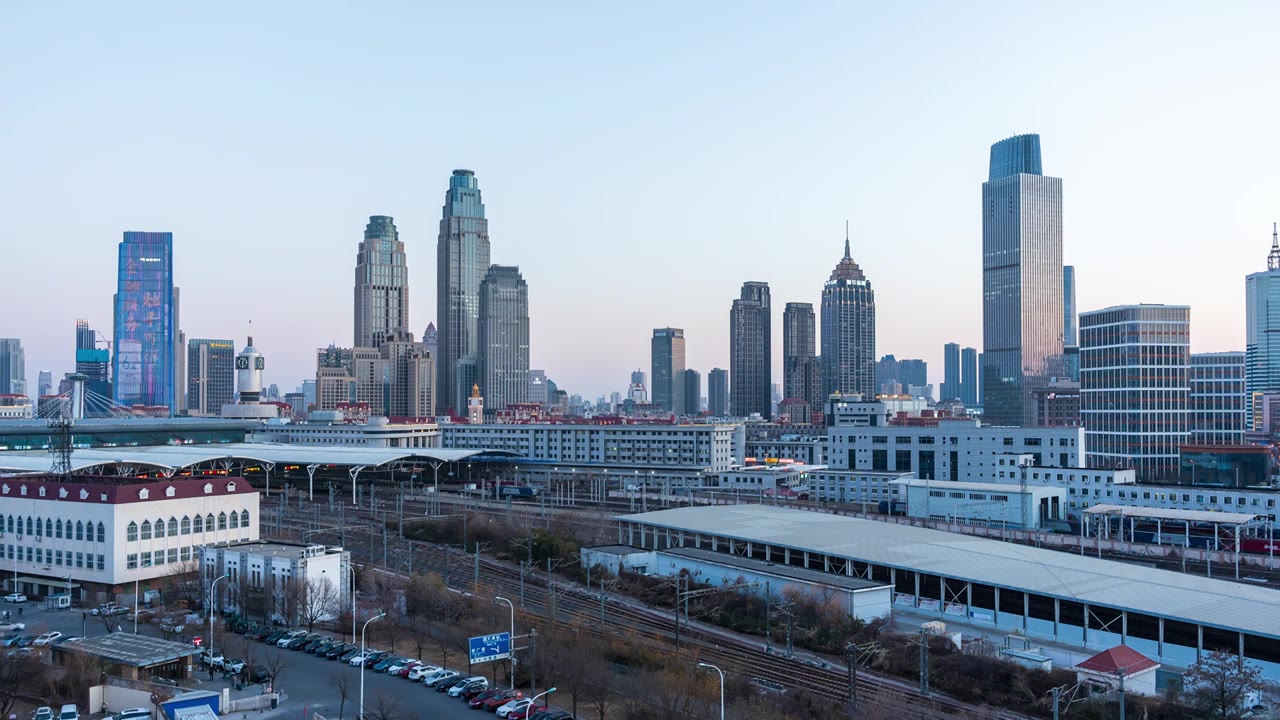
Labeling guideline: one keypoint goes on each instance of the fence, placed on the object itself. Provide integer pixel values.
(255, 702)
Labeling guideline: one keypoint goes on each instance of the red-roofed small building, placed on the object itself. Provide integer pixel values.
(1101, 673)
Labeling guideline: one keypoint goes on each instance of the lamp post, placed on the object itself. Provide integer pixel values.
(212, 585)
(721, 672)
(534, 701)
(362, 651)
(511, 647)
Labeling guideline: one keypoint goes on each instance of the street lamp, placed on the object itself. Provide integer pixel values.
(212, 585)
(136, 576)
(362, 651)
(511, 642)
(534, 701)
(721, 672)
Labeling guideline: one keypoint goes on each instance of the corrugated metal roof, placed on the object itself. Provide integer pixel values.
(1164, 593)
(1195, 516)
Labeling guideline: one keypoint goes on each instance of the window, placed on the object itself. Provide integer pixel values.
(146, 529)
(244, 518)
(131, 561)
(131, 534)
(208, 523)
(198, 526)
(159, 527)
(235, 520)
(102, 562)
(1008, 442)
(79, 559)
(79, 530)
(185, 555)
(57, 528)
(57, 557)
(186, 524)
(173, 555)
(222, 521)
(102, 535)
(146, 559)
(173, 526)
(39, 528)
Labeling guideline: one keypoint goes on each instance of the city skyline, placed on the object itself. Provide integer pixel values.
(107, 175)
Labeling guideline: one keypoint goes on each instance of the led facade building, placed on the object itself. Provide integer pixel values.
(667, 358)
(462, 260)
(1218, 398)
(1022, 307)
(751, 352)
(382, 283)
(1262, 331)
(848, 330)
(1135, 387)
(503, 337)
(146, 322)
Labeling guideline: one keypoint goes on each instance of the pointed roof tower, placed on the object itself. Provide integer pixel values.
(1273, 258)
(847, 269)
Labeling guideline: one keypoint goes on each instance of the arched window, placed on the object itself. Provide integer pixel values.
(173, 526)
(222, 521)
(29, 530)
(79, 530)
(244, 518)
(186, 524)
(48, 527)
(57, 528)
(146, 529)
(102, 537)
(159, 527)
(131, 532)
(235, 520)
(199, 525)
(208, 523)
(39, 527)
(9, 523)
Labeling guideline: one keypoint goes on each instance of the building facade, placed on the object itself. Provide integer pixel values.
(291, 583)
(413, 376)
(146, 345)
(1262, 331)
(751, 352)
(667, 358)
(969, 377)
(1057, 405)
(382, 283)
(462, 260)
(13, 367)
(692, 392)
(801, 369)
(210, 376)
(1022, 313)
(951, 381)
(1070, 329)
(848, 330)
(1218, 398)
(538, 386)
(718, 392)
(1135, 387)
(331, 429)
(502, 334)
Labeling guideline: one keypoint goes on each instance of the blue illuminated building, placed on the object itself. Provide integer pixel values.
(146, 322)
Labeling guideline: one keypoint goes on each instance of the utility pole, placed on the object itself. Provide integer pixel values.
(851, 662)
(1055, 692)
(924, 662)
(1122, 694)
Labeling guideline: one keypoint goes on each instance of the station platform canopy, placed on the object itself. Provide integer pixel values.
(1154, 513)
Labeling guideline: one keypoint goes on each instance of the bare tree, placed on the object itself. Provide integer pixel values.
(20, 675)
(291, 594)
(342, 683)
(1220, 682)
(420, 631)
(275, 664)
(319, 601)
(385, 708)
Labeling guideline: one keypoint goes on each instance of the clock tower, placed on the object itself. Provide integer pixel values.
(475, 406)
(249, 366)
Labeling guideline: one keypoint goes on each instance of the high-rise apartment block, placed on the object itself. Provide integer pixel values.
(750, 352)
(801, 369)
(1262, 332)
(1135, 387)
(692, 392)
(382, 283)
(211, 379)
(1070, 331)
(13, 367)
(718, 392)
(969, 377)
(412, 371)
(1218, 398)
(502, 333)
(144, 367)
(667, 359)
(462, 261)
(848, 330)
(1022, 307)
(951, 374)
(431, 340)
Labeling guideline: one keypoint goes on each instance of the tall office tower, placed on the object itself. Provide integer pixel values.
(85, 338)
(211, 381)
(801, 371)
(13, 367)
(1262, 331)
(503, 335)
(750, 352)
(1135, 386)
(308, 390)
(382, 283)
(718, 392)
(969, 377)
(886, 372)
(462, 260)
(666, 353)
(848, 330)
(335, 378)
(952, 384)
(44, 383)
(431, 341)
(1070, 335)
(692, 392)
(372, 374)
(913, 373)
(538, 387)
(1217, 398)
(146, 323)
(413, 376)
(1022, 293)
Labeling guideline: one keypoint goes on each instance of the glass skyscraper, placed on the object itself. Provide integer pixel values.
(718, 392)
(382, 284)
(462, 261)
(801, 370)
(848, 331)
(667, 359)
(13, 367)
(969, 377)
(1262, 331)
(1022, 295)
(1070, 336)
(503, 338)
(750, 352)
(146, 322)
(951, 383)
(210, 376)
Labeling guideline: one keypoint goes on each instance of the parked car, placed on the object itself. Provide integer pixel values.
(66, 639)
(274, 636)
(385, 663)
(69, 712)
(374, 657)
(418, 672)
(351, 653)
(15, 598)
(47, 638)
(18, 641)
(475, 681)
(12, 626)
(213, 660)
(289, 637)
(441, 679)
(548, 715)
(402, 670)
(473, 689)
(518, 708)
(257, 674)
(338, 651)
(492, 699)
(131, 714)
(481, 697)
(360, 657)
(319, 646)
(233, 665)
(44, 712)
(262, 633)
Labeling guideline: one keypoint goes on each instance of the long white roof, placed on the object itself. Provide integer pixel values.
(1163, 593)
(177, 457)
(1195, 516)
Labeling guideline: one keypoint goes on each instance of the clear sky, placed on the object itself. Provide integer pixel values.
(638, 161)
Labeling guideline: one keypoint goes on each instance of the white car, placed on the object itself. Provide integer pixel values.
(422, 671)
(398, 666)
(358, 659)
(47, 639)
(213, 660)
(15, 598)
(290, 637)
(514, 705)
(12, 627)
(463, 684)
(234, 665)
(440, 676)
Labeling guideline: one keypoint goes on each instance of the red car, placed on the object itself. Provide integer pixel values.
(525, 712)
(493, 703)
(404, 671)
(478, 699)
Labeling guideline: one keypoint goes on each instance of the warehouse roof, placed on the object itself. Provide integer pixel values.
(1195, 516)
(129, 649)
(1164, 593)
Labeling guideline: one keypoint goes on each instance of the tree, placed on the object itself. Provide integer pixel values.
(1220, 682)
(20, 674)
(319, 601)
(292, 595)
(183, 584)
(275, 665)
(385, 708)
(342, 683)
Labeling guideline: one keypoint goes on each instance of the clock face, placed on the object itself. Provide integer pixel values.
(259, 363)
(242, 363)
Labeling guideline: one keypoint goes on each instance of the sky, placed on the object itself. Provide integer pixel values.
(638, 161)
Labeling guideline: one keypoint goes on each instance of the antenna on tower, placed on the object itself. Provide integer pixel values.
(1273, 258)
(846, 239)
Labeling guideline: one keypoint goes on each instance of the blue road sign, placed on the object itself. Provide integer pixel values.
(488, 648)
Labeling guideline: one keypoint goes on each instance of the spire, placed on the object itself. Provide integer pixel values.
(1273, 258)
(847, 256)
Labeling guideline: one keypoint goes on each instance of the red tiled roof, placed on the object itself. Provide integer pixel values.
(1120, 657)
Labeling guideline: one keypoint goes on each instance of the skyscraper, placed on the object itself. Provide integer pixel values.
(848, 330)
(412, 370)
(692, 392)
(13, 367)
(462, 261)
(750, 352)
(951, 375)
(431, 340)
(886, 373)
(667, 359)
(801, 370)
(1135, 387)
(1070, 339)
(538, 387)
(211, 381)
(1022, 295)
(718, 392)
(85, 338)
(1217, 398)
(382, 283)
(44, 383)
(1262, 331)
(969, 377)
(913, 372)
(503, 337)
(144, 368)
